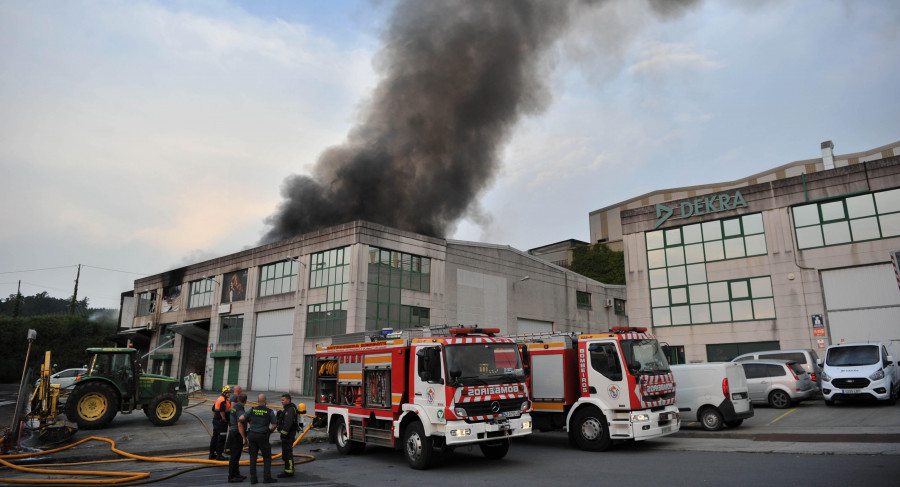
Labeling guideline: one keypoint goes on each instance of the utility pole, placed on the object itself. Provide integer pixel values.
(18, 300)
(75, 293)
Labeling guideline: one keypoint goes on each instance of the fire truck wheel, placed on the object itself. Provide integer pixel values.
(417, 447)
(495, 450)
(589, 430)
(711, 419)
(340, 436)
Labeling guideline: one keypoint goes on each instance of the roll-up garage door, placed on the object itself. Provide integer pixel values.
(272, 350)
(862, 303)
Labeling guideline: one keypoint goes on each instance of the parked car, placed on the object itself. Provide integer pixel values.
(715, 394)
(860, 370)
(64, 378)
(805, 357)
(778, 383)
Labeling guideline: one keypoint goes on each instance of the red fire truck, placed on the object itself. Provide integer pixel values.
(602, 387)
(425, 395)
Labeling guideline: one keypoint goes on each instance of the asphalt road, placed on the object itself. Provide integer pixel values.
(845, 444)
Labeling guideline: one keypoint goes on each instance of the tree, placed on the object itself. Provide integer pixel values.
(600, 263)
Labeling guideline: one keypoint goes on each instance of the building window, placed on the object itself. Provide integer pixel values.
(329, 270)
(278, 278)
(230, 329)
(583, 300)
(166, 338)
(201, 293)
(171, 300)
(389, 273)
(619, 306)
(859, 218)
(146, 303)
(680, 293)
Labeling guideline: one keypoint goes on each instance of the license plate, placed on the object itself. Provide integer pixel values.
(852, 391)
(511, 414)
(667, 429)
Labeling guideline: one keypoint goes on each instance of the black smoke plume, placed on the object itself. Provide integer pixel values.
(456, 77)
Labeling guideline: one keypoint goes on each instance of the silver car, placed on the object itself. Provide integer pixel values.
(64, 378)
(779, 383)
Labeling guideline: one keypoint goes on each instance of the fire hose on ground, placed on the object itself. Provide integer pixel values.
(125, 478)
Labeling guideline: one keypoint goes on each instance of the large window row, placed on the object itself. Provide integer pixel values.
(231, 329)
(731, 238)
(201, 293)
(278, 278)
(853, 219)
(389, 273)
(329, 269)
(714, 302)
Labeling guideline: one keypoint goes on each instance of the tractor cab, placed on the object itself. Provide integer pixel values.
(118, 365)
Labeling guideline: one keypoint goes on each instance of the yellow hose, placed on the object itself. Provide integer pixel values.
(123, 476)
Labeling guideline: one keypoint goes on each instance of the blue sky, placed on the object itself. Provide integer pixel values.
(143, 136)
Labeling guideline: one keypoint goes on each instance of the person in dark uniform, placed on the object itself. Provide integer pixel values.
(237, 436)
(220, 425)
(261, 422)
(288, 424)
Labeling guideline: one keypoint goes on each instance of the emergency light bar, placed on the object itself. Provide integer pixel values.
(626, 329)
(472, 331)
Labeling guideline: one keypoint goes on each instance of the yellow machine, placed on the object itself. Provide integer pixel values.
(44, 409)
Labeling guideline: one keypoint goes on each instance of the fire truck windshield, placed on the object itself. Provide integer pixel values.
(644, 357)
(483, 364)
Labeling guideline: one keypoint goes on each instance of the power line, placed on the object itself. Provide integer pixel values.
(116, 270)
(44, 269)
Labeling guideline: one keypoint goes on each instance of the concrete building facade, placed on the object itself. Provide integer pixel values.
(254, 317)
(796, 257)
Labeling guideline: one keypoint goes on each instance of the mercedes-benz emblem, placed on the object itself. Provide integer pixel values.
(495, 407)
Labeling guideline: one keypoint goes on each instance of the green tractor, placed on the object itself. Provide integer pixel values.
(114, 382)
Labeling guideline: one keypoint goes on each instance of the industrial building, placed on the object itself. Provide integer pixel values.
(255, 317)
(799, 256)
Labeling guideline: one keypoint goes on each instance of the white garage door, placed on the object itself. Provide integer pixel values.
(524, 325)
(272, 350)
(863, 304)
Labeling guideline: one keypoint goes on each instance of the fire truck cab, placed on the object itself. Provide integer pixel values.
(601, 387)
(425, 395)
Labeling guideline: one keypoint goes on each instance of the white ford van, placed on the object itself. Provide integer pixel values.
(860, 370)
(715, 394)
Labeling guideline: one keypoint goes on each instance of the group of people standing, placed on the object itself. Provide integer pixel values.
(235, 426)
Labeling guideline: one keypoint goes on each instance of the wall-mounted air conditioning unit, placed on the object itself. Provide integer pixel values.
(608, 303)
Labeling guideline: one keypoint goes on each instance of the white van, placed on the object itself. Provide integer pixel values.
(715, 394)
(860, 370)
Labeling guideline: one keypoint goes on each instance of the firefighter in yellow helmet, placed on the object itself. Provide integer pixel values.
(220, 425)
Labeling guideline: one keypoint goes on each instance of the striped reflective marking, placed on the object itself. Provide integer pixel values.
(396, 398)
(548, 406)
(382, 358)
(356, 375)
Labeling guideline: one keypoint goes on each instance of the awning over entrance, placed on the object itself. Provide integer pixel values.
(197, 330)
(133, 331)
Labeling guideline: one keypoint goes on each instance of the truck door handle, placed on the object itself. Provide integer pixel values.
(418, 393)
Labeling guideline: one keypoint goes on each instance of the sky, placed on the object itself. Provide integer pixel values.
(137, 137)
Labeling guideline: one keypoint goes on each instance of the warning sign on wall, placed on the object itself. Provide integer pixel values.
(819, 332)
(821, 343)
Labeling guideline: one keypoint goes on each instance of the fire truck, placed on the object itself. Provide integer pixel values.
(425, 395)
(602, 387)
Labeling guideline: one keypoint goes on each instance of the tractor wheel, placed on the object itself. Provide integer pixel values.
(164, 409)
(92, 405)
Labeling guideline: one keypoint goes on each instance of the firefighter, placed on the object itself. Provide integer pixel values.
(220, 425)
(287, 426)
(261, 422)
